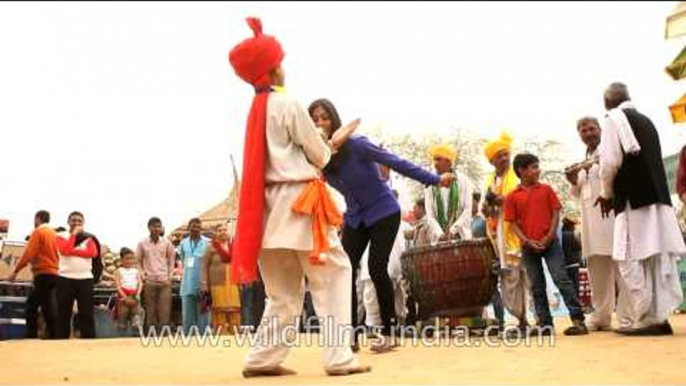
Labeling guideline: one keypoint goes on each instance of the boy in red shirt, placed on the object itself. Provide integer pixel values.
(534, 210)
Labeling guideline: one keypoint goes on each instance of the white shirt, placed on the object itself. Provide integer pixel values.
(597, 232)
(129, 278)
(75, 267)
(462, 224)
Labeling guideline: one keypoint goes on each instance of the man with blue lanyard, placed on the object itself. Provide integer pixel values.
(191, 251)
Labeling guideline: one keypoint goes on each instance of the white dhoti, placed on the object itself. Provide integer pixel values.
(515, 285)
(282, 271)
(605, 280)
(653, 287)
(648, 244)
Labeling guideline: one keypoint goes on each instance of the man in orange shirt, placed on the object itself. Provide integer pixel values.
(41, 253)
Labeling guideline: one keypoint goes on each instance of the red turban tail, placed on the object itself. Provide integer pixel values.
(252, 60)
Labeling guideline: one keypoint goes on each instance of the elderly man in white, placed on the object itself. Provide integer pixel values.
(596, 235)
(647, 239)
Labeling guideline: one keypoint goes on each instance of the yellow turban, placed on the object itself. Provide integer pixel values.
(443, 150)
(504, 142)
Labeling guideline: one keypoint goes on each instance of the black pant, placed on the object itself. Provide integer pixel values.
(80, 290)
(42, 296)
(382, 236)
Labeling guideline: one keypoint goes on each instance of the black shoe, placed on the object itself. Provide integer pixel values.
(660, 329)
(579, 328)
(542, 330)
(666, 328)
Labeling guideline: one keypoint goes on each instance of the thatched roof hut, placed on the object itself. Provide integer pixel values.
(221, 213)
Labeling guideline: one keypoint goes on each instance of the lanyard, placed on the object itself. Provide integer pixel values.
(192, 245)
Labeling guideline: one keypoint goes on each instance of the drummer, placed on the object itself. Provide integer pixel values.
(449, 209)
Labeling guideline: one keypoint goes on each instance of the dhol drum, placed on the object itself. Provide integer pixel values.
(455, 278)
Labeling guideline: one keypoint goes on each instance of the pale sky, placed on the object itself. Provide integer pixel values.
(129, 110)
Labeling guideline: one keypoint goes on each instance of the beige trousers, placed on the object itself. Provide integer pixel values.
(157, 300)
(282, 272)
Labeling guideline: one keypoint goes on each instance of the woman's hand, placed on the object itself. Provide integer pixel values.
(341, 135)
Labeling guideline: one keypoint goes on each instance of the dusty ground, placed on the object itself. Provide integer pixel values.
(599, 358)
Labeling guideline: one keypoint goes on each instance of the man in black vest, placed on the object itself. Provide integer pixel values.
(647, 240)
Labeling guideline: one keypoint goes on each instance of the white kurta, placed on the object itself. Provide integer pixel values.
(462, 224)
(647, 241)
(596, 235)
(596, 241)
(296, 152)
(638, 233)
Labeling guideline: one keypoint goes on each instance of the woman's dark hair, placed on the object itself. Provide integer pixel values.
(522, 161)
(330, 111)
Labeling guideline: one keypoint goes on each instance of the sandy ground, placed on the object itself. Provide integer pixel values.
(599, 358)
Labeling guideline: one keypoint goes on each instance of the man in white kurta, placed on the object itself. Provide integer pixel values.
(647, 239)
(596, 235)
(295, 153)
(449, 210)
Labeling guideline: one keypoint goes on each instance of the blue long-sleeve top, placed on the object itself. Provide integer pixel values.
(354, 172)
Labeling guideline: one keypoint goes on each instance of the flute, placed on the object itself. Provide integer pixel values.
(587, 164)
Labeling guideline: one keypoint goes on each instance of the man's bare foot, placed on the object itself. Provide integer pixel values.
(350, 371)
(383, 346)
(273, 372)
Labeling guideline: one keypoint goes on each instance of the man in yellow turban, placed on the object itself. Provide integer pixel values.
(499, 184)
(449, 209)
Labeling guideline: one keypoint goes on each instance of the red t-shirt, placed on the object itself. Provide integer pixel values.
(532, 209)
